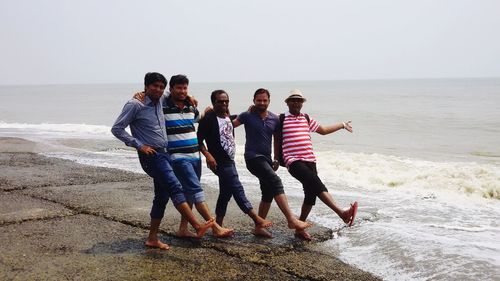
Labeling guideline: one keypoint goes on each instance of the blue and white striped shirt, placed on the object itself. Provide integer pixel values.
(181, 132)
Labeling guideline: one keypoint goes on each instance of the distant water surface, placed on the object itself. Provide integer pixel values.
(423, 162)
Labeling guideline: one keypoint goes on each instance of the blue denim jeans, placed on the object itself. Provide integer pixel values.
(166, 184)
(188, 172)
(230, 186)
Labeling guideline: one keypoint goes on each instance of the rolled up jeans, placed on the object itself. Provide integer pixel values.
(166, 185)
(188, 172)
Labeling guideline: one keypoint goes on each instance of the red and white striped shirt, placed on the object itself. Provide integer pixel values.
(297, 143)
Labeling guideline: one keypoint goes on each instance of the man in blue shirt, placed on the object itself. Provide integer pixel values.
(149, 137)
(260, 125)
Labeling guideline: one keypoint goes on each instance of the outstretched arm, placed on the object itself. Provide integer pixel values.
(325, 130)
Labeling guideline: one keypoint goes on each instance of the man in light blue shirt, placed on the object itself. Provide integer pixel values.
(149, 137)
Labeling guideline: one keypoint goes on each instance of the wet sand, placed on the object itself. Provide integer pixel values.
(60, 220)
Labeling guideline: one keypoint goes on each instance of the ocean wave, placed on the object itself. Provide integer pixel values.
(60, 129)
(411, 175)
(466, 229)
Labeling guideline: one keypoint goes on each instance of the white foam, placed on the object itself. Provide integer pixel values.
(427, 178)
(59, 130)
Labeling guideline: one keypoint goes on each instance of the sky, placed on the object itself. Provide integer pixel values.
(117, 41)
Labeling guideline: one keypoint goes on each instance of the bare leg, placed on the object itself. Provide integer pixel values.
(186, 212)
(183, 227)
(260, 225)
(153, 240)
(263, 211)
(327, 198)
(217, 230)
(304, 213)
(293, 222)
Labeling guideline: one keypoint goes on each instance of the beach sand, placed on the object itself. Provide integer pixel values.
(60, 220)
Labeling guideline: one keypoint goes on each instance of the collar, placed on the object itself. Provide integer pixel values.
(287, 113)
(148, 101)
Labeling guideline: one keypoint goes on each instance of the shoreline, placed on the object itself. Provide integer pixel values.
(65, 220)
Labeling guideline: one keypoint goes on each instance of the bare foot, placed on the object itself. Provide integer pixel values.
(302, 234)
(263, 223)
(221, 232)
(203, 228)
(262, 232)
(298, 224)
(354, 210)
(184, 233)
(349, 215)
(157, 244)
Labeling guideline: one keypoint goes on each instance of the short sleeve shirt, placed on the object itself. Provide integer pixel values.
(259, 133)
(297, 144)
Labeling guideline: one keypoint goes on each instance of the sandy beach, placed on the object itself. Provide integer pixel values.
(61, 220)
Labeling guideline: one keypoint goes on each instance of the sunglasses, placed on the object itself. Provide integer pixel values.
(222, 101)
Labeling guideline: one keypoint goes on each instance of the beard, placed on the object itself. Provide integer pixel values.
(260, 109)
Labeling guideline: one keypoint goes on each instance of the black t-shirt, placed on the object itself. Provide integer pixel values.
(208, 131)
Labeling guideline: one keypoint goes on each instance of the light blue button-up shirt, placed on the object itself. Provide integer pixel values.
(146, 121)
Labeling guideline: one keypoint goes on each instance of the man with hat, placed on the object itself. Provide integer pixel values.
(298, 156)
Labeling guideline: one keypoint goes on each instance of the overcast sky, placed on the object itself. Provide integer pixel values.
(117, 41)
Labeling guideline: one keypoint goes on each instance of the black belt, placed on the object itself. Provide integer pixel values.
(160, 149)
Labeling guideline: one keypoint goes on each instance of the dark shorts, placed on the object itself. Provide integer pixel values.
(307, 174)
(270, 183)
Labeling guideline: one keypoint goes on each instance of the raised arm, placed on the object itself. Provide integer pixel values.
(325, 130)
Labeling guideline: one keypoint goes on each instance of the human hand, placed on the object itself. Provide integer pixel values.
(211, 163)
(192, 100)
(148, 150)
(347, 126)
(140, 96)
(208, 109)
(276, 165)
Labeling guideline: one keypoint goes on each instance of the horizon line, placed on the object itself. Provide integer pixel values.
(266, 81)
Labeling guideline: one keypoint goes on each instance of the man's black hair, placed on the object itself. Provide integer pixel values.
(178, 79)
(215, 93)
(153, 77)
(262, 91)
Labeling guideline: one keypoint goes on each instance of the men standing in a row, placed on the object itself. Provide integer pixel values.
(149, 137)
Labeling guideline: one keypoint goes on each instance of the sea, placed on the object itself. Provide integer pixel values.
(423, 161)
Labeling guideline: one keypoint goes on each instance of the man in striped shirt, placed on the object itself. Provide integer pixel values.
(300, 160)
(180, 117)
